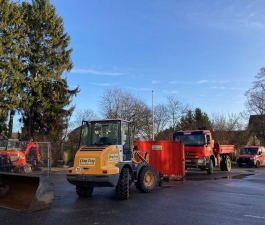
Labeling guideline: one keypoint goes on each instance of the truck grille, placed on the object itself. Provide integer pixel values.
(191, 153)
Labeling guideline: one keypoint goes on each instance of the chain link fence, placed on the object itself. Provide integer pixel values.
(31, 158)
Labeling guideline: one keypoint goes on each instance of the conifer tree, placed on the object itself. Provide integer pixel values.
(195, 120)
(47, 57)
(12, 48)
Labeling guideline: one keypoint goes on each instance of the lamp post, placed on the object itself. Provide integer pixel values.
(153, 114)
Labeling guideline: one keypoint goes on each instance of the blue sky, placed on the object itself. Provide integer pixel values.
(205, 52)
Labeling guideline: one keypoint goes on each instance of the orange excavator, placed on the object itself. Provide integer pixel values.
(19, 189)
(18, 156)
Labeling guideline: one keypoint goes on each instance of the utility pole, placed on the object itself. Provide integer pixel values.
(153, 115)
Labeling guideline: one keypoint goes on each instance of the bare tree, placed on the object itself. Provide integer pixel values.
(116, 103)
(230, 128)
(83, 114)
(176, 109)
(255, 106)
(161, 118)
(255, 103)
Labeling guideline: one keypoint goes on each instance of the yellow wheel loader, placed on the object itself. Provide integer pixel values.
(106, 158)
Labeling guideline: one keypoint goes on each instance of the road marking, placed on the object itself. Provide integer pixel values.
(259, 217)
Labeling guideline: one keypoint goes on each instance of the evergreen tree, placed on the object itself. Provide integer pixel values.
(195, 120)
(12, 48)
(47, 57)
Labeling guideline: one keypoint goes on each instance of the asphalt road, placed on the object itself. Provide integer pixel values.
(236, 197)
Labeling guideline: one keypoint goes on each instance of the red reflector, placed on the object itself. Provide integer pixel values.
(104, 171)
(69, 171)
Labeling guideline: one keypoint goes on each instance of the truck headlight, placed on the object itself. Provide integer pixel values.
(201, 160)
(14, 157)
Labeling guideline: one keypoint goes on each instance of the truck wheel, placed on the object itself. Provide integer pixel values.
(147, 179)
(222, 165)
(257, 164)
(122, 188)
(84, 191)
(228, 164)
(210, 167)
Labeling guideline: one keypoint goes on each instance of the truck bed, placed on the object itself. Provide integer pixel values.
(223, 149)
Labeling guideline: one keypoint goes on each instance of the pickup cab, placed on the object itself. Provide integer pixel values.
(252, 156)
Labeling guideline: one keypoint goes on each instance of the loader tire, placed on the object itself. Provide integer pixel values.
(122, 188)
(84, 191)
(147, 179)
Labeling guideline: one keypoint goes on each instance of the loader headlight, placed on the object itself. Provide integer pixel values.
(14, 157)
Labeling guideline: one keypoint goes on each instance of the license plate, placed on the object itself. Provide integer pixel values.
(187, 160)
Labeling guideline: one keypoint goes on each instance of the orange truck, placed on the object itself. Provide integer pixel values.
(252, 156)
(202, 152)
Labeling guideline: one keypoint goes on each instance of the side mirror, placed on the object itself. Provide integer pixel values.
(208, 141)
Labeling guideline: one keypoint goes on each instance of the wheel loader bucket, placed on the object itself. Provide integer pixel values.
(25, 193)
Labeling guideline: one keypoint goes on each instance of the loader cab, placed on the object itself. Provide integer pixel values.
(102, 133)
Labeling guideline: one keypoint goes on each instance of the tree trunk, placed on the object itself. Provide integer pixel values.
(10, 124)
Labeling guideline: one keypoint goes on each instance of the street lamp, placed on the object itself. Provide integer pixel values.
(153, 114)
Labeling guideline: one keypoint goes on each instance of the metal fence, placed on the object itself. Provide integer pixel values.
(31, 158)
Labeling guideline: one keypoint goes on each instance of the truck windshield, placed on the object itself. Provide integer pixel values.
(249, 151)
(190, 139)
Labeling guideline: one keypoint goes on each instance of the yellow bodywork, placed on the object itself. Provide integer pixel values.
(96, 160)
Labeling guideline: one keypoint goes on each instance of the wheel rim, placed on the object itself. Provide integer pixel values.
(228, 164)
(149, 179)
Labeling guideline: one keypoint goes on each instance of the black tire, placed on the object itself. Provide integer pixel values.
(222, 165)
(257, 164)
(84, 191)
(122, 188)
(210, 167)
(147, 179)
(227, 164)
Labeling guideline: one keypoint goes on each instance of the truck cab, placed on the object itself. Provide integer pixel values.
(252, 156)
(198, 147)
(202, 152)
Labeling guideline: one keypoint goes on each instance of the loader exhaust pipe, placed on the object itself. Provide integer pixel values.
(25, 193)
